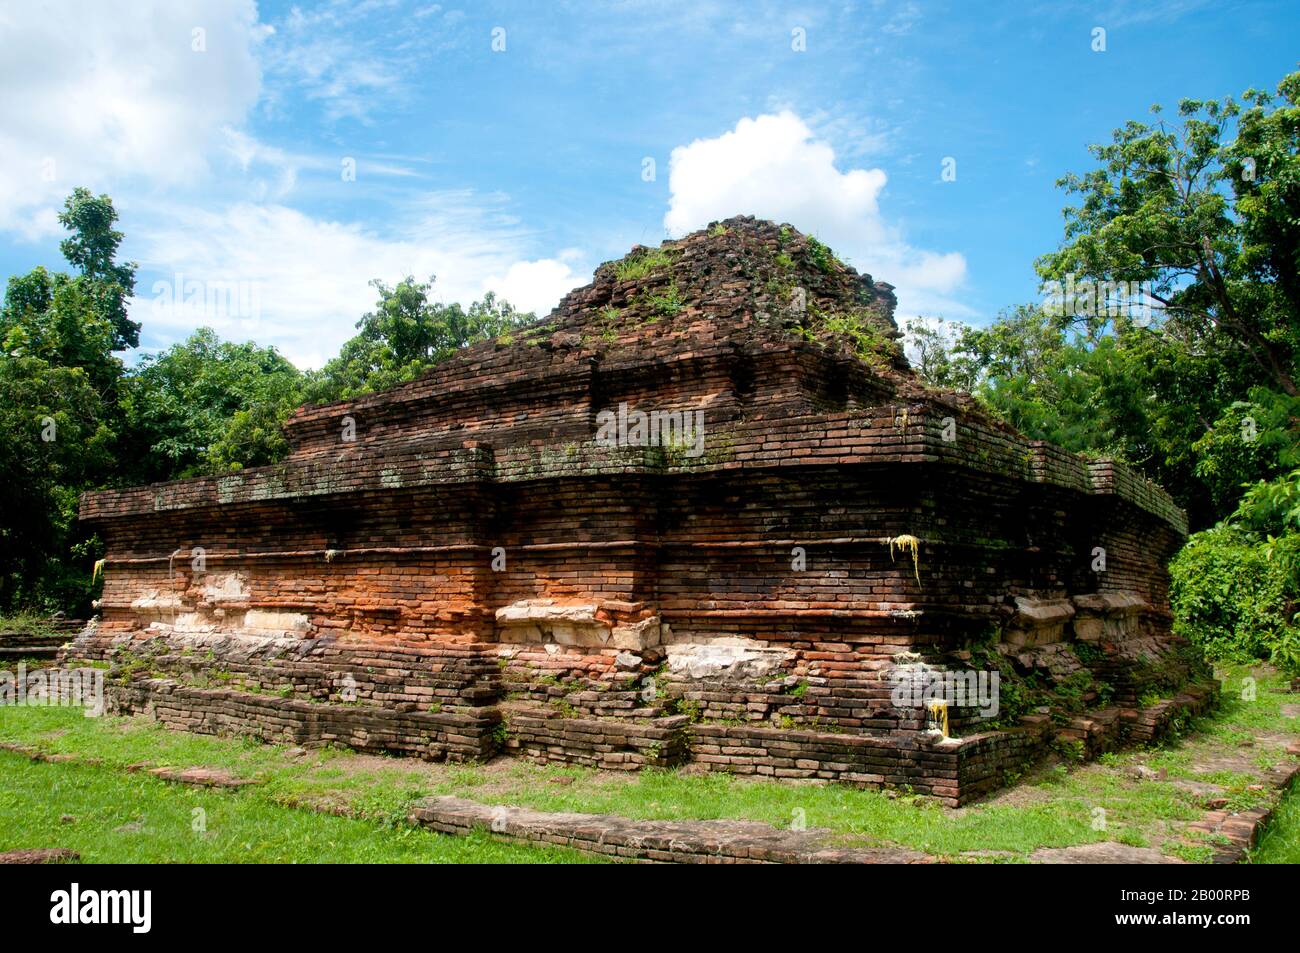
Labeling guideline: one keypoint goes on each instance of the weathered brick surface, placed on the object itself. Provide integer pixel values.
(478, 544)
(690, 842)
(449, 736)
(39, 642)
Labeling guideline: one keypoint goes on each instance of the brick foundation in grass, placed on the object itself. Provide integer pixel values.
(223, 711)
(37, 642)
(679, 842)
(954, 771)
(496, 538)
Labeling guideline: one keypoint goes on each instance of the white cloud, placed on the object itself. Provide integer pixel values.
(100, 94)
(309, 278)
(535, 285)
(772, 166)
(119, 100)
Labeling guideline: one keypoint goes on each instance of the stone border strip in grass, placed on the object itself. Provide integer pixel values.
(1232, 834)
(691, 842)
(42, 855)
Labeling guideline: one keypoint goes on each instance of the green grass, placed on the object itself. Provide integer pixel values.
(255, 824)
(665, 304)
(867, 815)
(635, 267)
(112, 817)
(1280, 843)
(29, 622)
(1055, 806)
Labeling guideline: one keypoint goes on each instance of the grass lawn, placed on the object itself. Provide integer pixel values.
(110, 816)
(1055, 806)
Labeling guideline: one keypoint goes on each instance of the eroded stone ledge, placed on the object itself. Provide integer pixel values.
(691, 842)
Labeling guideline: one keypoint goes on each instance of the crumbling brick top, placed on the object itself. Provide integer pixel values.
(787, 357)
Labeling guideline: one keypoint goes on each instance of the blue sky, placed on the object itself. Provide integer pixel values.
(224, 132)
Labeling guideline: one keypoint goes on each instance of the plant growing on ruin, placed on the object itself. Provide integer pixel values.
(663, 304)
(501, 732)
(859, 330)
(822, 257)
(1088, 653)
(692, 708)
(643, 263)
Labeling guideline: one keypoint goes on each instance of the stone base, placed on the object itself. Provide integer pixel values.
(623, 744)
(439, 736)
(723, 708)
(955, 771)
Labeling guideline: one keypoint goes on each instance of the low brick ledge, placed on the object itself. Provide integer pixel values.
(458, 736)
(682, 842)
(1231, 834)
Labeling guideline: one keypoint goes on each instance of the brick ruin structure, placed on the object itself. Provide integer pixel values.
(504, 556)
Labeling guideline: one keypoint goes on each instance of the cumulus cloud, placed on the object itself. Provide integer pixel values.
(279, 276)
(537, 285)
(134, 102)
(772, 166)
(97, 94)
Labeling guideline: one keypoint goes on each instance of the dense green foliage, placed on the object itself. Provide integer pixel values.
(1168, 337)
(1235, 588)
(208, 406)
(60, 407)
(1229, 597)
(406, 334)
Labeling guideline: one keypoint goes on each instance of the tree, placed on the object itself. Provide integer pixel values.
(209, 406)
(55, 318)
(1195, 223)
(1121, 390)
(56, 441)
(406, 334)
(1207, 220)
(92, 248)
(59, 408)
(934, 352)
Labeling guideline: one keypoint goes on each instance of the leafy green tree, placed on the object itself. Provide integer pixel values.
(60, 389)
(1201, 216)
(92, 248)
(1206, 218)
(209, 406)
(406, 334)
(933, 347)
(55, 442)
(55, 318)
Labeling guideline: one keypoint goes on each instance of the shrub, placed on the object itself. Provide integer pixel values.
(642, 263)
(1236, 594)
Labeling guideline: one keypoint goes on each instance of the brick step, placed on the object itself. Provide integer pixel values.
(464, 734)
(30, 651)
(543, 734)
